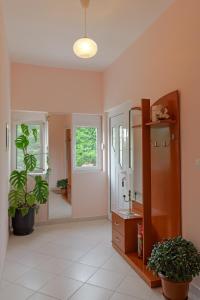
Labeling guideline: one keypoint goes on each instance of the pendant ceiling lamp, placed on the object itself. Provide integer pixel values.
(85, 47)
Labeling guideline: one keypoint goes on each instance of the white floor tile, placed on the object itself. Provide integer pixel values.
(79, 272)
(54, 266)
(134, 287)
(76, 241)
(34, 259)
(38, 296)
(118, 296)
(34, 279)
(3, 284)
(62, 252)
(89, 292)
(12, 270)
(70, 261)
(106, 279)
(61, 287)
(98, 256)
(117, 264)
(14, 292)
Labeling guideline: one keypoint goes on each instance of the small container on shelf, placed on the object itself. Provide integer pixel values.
(140, 240)
(159, 112)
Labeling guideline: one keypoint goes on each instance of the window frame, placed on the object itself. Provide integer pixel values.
(43, 144)
(87, 121)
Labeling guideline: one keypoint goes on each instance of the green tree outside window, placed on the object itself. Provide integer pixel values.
(86, 147)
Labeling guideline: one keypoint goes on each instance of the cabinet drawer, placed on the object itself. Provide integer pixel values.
(118, 240)
(118, 224)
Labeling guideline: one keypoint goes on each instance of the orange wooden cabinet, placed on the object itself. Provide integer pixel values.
(124, 231)
(124, 240)
(160, 208)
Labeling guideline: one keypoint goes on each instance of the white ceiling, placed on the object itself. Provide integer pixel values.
(43, 31)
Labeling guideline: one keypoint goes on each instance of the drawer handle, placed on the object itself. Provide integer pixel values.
(116, 224)
(117, 239)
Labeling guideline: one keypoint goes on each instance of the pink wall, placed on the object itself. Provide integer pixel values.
(56, 89)
(4, 154)
(167, 57)
(93, 201)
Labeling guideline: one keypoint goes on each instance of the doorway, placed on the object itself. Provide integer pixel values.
(119, 167)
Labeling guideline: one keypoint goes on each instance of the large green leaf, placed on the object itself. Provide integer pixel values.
(16, 198)
(35, 133)
(30, 162)
(25, 129)
(22, 142)
(24, 211)
(11, 211)
(18, 179)
(31, 199)
(41, 190)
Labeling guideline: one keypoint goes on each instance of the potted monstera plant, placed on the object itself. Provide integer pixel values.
(176, 261)
(24, 199)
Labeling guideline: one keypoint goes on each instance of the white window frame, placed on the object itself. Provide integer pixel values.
(85, 120)
(43, 137)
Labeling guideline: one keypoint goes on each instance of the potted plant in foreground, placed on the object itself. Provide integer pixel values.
(176, 261)
(24, 200)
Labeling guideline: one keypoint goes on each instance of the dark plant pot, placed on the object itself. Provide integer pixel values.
(174, 290)
(23, 225)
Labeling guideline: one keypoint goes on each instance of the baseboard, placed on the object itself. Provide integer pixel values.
(69, 220)
(194, 292)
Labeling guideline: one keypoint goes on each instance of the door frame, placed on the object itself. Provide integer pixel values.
(114, 112)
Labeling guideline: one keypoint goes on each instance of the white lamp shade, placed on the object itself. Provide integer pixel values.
(85, 48)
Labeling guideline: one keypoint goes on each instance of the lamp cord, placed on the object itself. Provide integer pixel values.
(85, 22)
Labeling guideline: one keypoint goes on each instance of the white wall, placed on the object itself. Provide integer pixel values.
(4, 153)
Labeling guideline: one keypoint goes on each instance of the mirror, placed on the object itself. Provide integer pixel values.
(59, 133)
(135, 159)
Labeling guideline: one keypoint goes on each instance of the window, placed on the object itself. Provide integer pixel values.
(86, 142)
(86, 147)
(36, 148)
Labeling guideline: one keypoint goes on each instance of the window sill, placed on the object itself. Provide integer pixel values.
(37, 174)
(87, 170)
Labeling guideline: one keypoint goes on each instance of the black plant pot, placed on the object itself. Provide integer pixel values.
(23, 225)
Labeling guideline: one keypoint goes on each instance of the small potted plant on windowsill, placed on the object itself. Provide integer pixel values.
(176, 261)
(23, 200)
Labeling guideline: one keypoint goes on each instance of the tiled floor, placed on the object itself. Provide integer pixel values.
(70, 261)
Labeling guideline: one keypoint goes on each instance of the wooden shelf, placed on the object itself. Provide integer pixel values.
(138, 265)
(161, 123)
(158, 219)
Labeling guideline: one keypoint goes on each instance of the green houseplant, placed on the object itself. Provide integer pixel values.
(62, 184)
(23, 200)
(176, 261)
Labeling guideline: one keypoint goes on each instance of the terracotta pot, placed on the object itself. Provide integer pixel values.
(174, 290)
